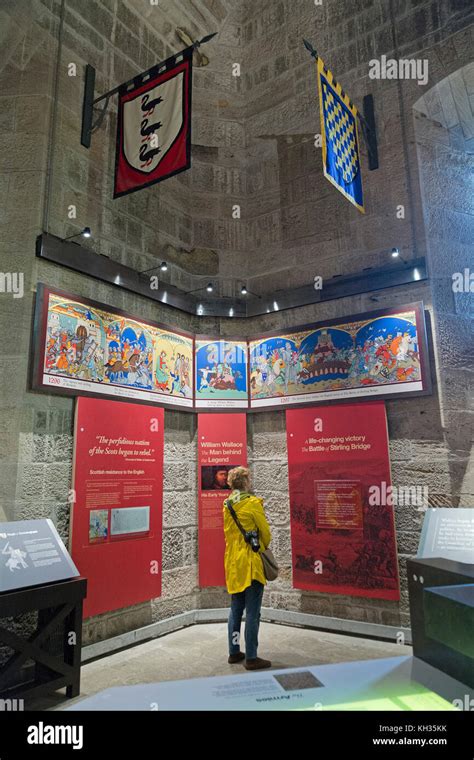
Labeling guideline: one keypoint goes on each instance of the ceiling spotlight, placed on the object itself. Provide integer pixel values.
(209, 288)
(200, 310)
(395, 253)
(245, 291)
(163, 266)
(86, 232)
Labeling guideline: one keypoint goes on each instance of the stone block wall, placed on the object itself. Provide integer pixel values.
(299, 226)
(444, 126)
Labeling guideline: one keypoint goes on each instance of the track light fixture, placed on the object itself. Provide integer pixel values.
(86, 232)
(246, 292)
(395, 253)
(209, 288)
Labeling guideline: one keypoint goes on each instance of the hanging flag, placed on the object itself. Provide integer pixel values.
(340, 141)
(154, 125)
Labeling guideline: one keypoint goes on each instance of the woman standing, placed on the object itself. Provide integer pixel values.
(245, 577)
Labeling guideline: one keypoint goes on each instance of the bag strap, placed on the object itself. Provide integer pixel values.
(236, 519)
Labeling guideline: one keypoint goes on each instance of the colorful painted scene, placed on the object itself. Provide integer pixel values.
(221, 369)
(98, 346)
(75, 341)
(98, 525)
(129, 356)
(173, 364)
(369, 352)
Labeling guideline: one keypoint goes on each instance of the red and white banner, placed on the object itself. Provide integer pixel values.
(154, 127)
(116, 521)
(342, 524)
(222, 445)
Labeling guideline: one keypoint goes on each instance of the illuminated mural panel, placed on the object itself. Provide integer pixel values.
(378, 354)
(88, 349)
(221, 373)
(83, 347)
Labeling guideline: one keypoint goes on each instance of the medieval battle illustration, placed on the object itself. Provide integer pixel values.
(90, 345)
(340, 542)
(93, 345)
(221, 370)
(365, 353)
(173, 364)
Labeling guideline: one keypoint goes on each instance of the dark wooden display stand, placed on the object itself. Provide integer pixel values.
(437, 572)
(57, 662)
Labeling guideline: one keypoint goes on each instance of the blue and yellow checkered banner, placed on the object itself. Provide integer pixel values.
(340, 141)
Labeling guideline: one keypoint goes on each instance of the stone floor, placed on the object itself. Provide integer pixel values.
(201, 650)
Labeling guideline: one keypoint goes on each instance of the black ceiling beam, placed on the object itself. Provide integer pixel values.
(86, 261)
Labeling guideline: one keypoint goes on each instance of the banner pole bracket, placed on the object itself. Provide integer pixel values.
(88, 106)
(101, 115)
(369, 131)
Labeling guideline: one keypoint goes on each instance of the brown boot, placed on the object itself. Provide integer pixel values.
(257, 664)
(233, 658)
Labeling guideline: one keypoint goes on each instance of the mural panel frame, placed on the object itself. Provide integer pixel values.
(328, 353)
(227, 365)
(142, 361)
(341, 359)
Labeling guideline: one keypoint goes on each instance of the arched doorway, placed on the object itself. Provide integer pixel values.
(444, 130)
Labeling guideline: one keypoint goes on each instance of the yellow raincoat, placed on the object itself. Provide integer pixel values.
(242, 564)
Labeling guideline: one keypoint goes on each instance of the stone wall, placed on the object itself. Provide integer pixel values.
(444, 125)
(253, 145)
(298, 225)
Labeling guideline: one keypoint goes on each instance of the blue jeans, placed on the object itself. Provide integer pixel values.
(250, 600)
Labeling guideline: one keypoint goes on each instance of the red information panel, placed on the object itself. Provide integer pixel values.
(116, 523)
(342, 523)
(222, 445)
